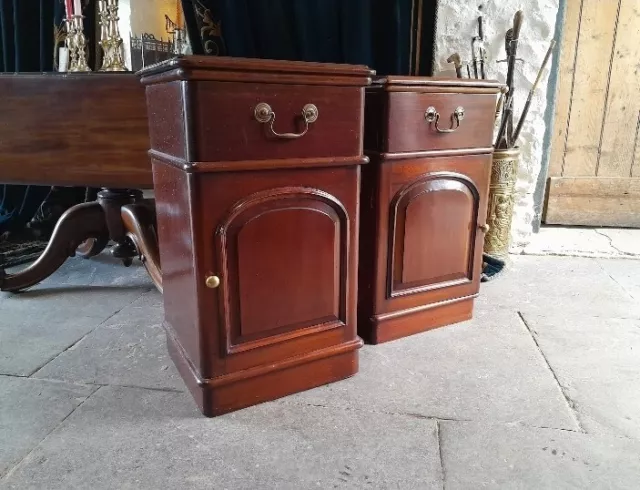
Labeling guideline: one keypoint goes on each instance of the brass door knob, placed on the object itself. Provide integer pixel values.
(212, 282)
(484, 228)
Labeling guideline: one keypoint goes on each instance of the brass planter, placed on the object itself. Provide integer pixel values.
(504, 172)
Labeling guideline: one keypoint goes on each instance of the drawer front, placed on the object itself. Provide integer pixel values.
(225, 126)
(409, 130)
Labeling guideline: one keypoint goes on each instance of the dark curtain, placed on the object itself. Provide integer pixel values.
(27, 45)
(383, 34)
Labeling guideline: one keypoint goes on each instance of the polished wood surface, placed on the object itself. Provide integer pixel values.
(338, 108)
(226, 68)
(74, 129)
(122, 217)
(407, 110)
(258, 234)
(85, 130)
(423, 204)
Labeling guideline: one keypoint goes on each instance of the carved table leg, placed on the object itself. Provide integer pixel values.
(112, 201)
(121, 215)
(139, 221)
(92, 247)
(76, 225)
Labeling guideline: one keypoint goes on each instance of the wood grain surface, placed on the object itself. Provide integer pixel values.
(597, 117)
(74, 129)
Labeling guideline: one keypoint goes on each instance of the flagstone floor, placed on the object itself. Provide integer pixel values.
(541, 390)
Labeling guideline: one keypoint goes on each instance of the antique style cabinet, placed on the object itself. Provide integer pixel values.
(423, 203)
(256, 168)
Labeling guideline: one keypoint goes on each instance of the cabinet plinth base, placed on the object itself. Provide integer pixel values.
(391, 326)
(230, 392)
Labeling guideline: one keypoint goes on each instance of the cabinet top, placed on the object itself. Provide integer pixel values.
(255, 70)
(427, 84)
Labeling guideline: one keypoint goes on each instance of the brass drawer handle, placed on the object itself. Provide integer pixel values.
(484, 228)
(264, 114)
(212, 282)
(433, 116)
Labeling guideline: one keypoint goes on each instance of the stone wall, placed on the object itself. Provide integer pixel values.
(456, 25)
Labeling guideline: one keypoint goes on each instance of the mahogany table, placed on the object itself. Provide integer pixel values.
(81, 130)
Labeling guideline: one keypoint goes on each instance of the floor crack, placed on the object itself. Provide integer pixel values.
(570, 403)
(164, 389)
(615, 280)
(13, 469)
(435, 418)
(622, 252)
(440, 455)
(76, 342)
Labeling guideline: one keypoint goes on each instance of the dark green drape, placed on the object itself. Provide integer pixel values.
(383, 34)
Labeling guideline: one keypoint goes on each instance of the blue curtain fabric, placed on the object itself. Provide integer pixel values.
(377, 33)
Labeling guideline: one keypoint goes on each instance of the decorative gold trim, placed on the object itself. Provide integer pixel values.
(504, 173)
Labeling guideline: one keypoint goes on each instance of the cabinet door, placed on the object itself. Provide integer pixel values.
(283, 244)
(283, 254)
(432, 233)
(434, 244)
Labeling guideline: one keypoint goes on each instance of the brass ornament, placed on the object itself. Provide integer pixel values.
(110, 40)
(77, 44)
(504, 172)
(432, 116)
(265, 115)
(212, 282)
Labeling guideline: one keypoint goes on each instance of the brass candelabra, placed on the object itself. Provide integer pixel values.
(110, 40)
(76, 44)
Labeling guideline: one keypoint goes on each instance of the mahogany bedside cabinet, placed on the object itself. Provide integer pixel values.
(256, 167)
(423, 203)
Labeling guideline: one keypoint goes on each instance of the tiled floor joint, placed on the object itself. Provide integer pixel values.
(570, 403)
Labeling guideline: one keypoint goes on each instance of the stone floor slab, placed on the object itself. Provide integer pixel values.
(485, 369)
(29, 410)
(562, 285)
(129, 349)
(130, 438)
(626, 273)
(97, 287)
(523, 458)
(626, 241)
(34, 328)
(573, 241)
(597, 361)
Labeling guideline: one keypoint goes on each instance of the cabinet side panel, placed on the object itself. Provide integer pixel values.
(166, 118)
(375, 121)
(177, 256)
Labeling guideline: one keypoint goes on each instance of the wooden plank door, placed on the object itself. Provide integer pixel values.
(594, 168)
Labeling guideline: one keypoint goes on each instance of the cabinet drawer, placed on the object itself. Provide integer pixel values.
(225, 127)
(409, 130)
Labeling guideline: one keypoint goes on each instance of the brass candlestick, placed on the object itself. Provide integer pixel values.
(110, 40)
(77, 44)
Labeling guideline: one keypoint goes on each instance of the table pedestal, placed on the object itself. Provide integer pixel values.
(122, 216)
